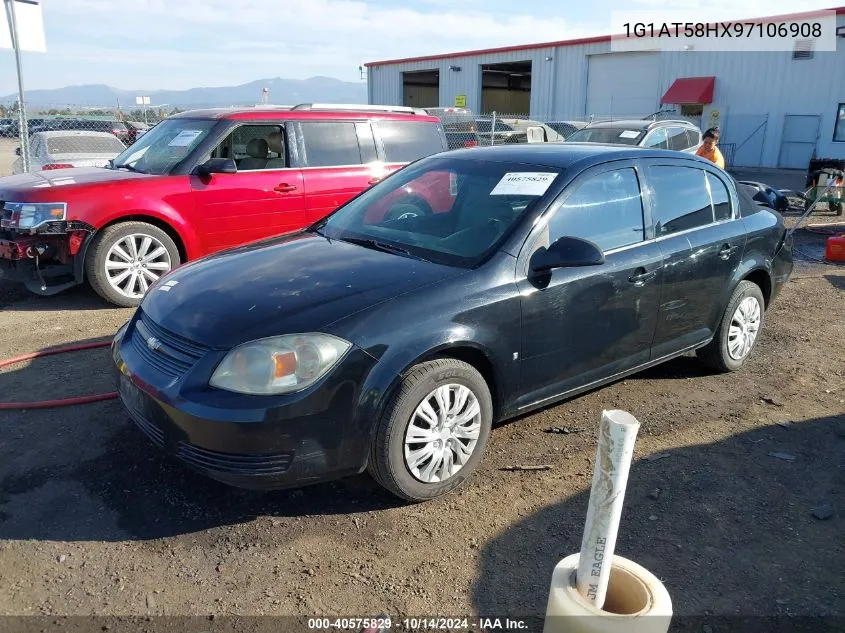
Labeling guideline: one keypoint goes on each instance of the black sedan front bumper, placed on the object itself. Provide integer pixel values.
(256, 442)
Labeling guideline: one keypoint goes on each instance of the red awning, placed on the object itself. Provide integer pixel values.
(690, 90)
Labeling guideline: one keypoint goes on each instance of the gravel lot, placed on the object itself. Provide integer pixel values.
(94, 521)
(7, 155)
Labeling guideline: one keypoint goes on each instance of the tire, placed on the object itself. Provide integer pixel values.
(717, 354)
(100, 252)
(387, 463)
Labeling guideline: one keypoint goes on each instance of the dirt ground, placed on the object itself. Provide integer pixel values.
(94, 521)
(7, 155)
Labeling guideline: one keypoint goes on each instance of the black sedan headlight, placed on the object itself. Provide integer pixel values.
(280, 364)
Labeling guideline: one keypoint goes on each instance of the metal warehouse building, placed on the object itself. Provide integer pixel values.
(776, 109)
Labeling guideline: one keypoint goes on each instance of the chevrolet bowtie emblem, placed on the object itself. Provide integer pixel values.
(153, 343)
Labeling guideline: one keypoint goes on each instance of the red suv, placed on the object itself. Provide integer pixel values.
(197, 183)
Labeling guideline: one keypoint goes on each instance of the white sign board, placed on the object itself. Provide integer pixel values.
(184, 138)
(523, 183)
(142, 101)
(30, 27)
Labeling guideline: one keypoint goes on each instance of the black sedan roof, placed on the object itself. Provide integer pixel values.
(565, 155)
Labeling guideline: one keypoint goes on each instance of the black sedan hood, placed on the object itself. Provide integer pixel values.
(290, 284)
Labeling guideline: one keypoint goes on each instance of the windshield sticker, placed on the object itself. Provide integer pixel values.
(184, 138)
(523, 183)
(629, 134)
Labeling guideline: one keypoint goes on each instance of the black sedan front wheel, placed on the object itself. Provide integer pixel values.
(433, 432)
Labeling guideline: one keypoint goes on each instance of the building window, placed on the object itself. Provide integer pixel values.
(692, 109)
(803, 49)
(839, 124)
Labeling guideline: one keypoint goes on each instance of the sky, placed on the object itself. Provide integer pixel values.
(180, 44)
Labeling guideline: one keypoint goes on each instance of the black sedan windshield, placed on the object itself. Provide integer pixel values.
(616, 136)
(447, 210)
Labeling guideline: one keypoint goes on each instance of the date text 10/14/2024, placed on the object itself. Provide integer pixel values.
(416, 624)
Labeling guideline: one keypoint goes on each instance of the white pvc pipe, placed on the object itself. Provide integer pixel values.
(617, 433)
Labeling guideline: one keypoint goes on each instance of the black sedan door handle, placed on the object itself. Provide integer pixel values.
(727, 251)
(641, 276)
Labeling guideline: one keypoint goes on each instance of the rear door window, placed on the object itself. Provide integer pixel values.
(606, 209)
(330, 143)
(677, 138)
(407, 141)
(694, 135)
(680, 199)
(657, 139)
(721, 199)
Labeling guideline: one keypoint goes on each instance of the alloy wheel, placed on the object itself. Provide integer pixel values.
(134, 263)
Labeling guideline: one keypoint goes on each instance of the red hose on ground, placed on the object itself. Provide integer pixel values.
(64, 402)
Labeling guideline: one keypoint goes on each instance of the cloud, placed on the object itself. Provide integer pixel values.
(185, 43)
(730, 9)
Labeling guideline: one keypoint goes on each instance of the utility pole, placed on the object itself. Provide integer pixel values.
(23, 129)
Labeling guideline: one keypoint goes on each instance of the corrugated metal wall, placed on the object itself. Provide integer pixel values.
(386, 81)
(754, 92)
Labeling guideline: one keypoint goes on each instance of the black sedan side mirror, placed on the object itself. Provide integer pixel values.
(17, 151)
(567, 252)
(217, 166)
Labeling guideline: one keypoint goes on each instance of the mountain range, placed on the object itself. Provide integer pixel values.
(281, 92)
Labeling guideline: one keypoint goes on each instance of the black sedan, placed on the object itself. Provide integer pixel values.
(392, 334)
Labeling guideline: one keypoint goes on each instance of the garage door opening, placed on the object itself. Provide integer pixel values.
(622, 85)
(506, 88)
(421, 89)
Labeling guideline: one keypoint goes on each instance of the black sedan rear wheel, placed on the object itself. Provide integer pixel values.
(432, 434)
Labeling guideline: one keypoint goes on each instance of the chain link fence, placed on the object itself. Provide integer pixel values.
(63, 135)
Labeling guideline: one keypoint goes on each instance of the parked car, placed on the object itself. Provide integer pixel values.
(14, 127)
(547, 134)
(136, 130)
(464, 129)
(566, 128)
(117, 128)
(65, 150)
(391, 343)
(8, 128)
(667, 134)
(197, 183)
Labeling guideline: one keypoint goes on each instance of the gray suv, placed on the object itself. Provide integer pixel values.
(677, 135)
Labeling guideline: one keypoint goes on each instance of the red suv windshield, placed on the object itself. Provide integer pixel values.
(165, 146)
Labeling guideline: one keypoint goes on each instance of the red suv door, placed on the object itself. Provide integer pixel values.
(265, 197)
(338, 160)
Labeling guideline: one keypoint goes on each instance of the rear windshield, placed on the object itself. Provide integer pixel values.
(617, 136)
(84, 145)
